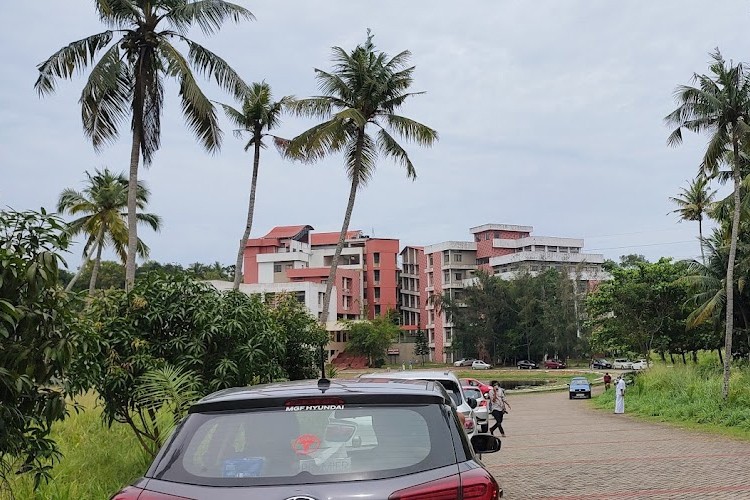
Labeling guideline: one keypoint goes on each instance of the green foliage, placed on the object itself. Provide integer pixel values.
(302, 336)
(421, 346)
(372, 338)
(641, 307)
(689, 394)
(39, 334)
(526, 317)
(111, 274)
(222, 340)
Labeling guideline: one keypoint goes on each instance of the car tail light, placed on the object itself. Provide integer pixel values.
(483, 402)
(476, 484)
(133, 493)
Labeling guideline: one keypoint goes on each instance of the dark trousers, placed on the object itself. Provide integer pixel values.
(498, 415)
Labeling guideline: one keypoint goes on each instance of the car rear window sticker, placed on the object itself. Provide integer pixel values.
(243, 467)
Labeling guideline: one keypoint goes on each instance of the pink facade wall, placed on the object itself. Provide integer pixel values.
(388, 250)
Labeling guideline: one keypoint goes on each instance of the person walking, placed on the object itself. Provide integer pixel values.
(620, 395)
(499, 406)
(607, 381)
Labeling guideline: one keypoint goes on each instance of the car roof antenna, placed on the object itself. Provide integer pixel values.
(323, 384)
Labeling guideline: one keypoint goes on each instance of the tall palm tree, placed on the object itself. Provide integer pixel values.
(128, 79)
(363, 92)
(100, 207)
(693, 202)
(719, 104)
(259, 115)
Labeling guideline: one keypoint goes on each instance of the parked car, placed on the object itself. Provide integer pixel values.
(481, 411)
(448, 380)
(622, 364)
(579, 387)
(525, 364)
(640, 364)
(472, 382)
(307, 439)
(601, 364)
(464, 362)
(554, 363)
(480, 365)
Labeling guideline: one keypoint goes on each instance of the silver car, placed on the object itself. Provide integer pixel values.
(447, 379)
(482, 410)
(333, 440)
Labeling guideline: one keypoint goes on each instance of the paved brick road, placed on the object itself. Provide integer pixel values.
(557, 449)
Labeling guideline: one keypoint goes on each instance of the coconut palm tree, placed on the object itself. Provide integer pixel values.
(719, 104)
(693, 202)
(363, 92)
(102, 218)
(128, 79)
(259, 115)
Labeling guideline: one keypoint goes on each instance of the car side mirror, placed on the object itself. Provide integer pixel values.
(472, 402)
(485, 443)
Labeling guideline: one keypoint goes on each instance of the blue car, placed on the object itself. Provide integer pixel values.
(579, 387)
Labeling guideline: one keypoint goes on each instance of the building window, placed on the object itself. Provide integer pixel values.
(364, 293)
(377, 310)
(487, 236)
(376, 276)
(446, 277)
(458, 276)
(376, 258)
(457, 257)
(446, 257)
(497, 235)
(300, 297)
(277, 268)
(377, 292)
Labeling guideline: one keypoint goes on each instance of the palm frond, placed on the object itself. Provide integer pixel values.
(196, 107)
(212, 66)
(314, 107)
(119, 13)
(388, 145)
(74, 57)
(105, 99)
(411, 130)
(209, 15)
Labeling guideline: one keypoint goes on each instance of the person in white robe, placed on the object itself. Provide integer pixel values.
(620, 395)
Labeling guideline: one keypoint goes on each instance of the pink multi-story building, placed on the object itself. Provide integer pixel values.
(366, 279)
(445, 269)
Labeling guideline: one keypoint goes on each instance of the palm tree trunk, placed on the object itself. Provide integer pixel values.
(250, 211)
(135, 156)
(86, 259)
(97, 261)
(700, 238)
(344, 227)
(730, 268)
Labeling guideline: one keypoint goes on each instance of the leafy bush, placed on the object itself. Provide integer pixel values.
(220, 339)
(39, 332)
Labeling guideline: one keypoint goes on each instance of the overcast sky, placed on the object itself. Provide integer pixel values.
(550, 114)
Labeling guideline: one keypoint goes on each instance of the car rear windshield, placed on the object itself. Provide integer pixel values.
(267, 447)
(472, 393)
(453, 390)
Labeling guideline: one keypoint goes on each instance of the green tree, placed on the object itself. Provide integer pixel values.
(693, 203)
(220, 339)
(303, 335)
(372, 338)
(364, 91)
(39, 333)
(260, 114)
(100, 207)
(111, 275)
(720, 105)
(638, 306)
(421, 346)
(129, 78)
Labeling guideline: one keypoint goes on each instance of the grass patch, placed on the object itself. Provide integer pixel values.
(97, 461)
(551, 376)
(689, 395)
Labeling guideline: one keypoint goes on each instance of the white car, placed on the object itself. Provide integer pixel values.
(464, 362)
(481, 411)
(480, 365)
(622, 364)
(449, 381)
(640, 364)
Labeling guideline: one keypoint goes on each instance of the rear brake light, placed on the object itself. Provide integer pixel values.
(442, 489)
(469, 424)
(478, 484)
(133, 493)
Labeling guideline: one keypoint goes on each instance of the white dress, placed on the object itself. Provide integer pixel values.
(620, 396)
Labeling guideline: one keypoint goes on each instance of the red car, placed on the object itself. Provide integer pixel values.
(476, 383)
(554, 363)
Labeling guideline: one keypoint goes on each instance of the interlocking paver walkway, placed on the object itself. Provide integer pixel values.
(558, 449)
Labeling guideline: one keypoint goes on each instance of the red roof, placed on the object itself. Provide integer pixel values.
(326, 239)
(262, 242)
(282, 232)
